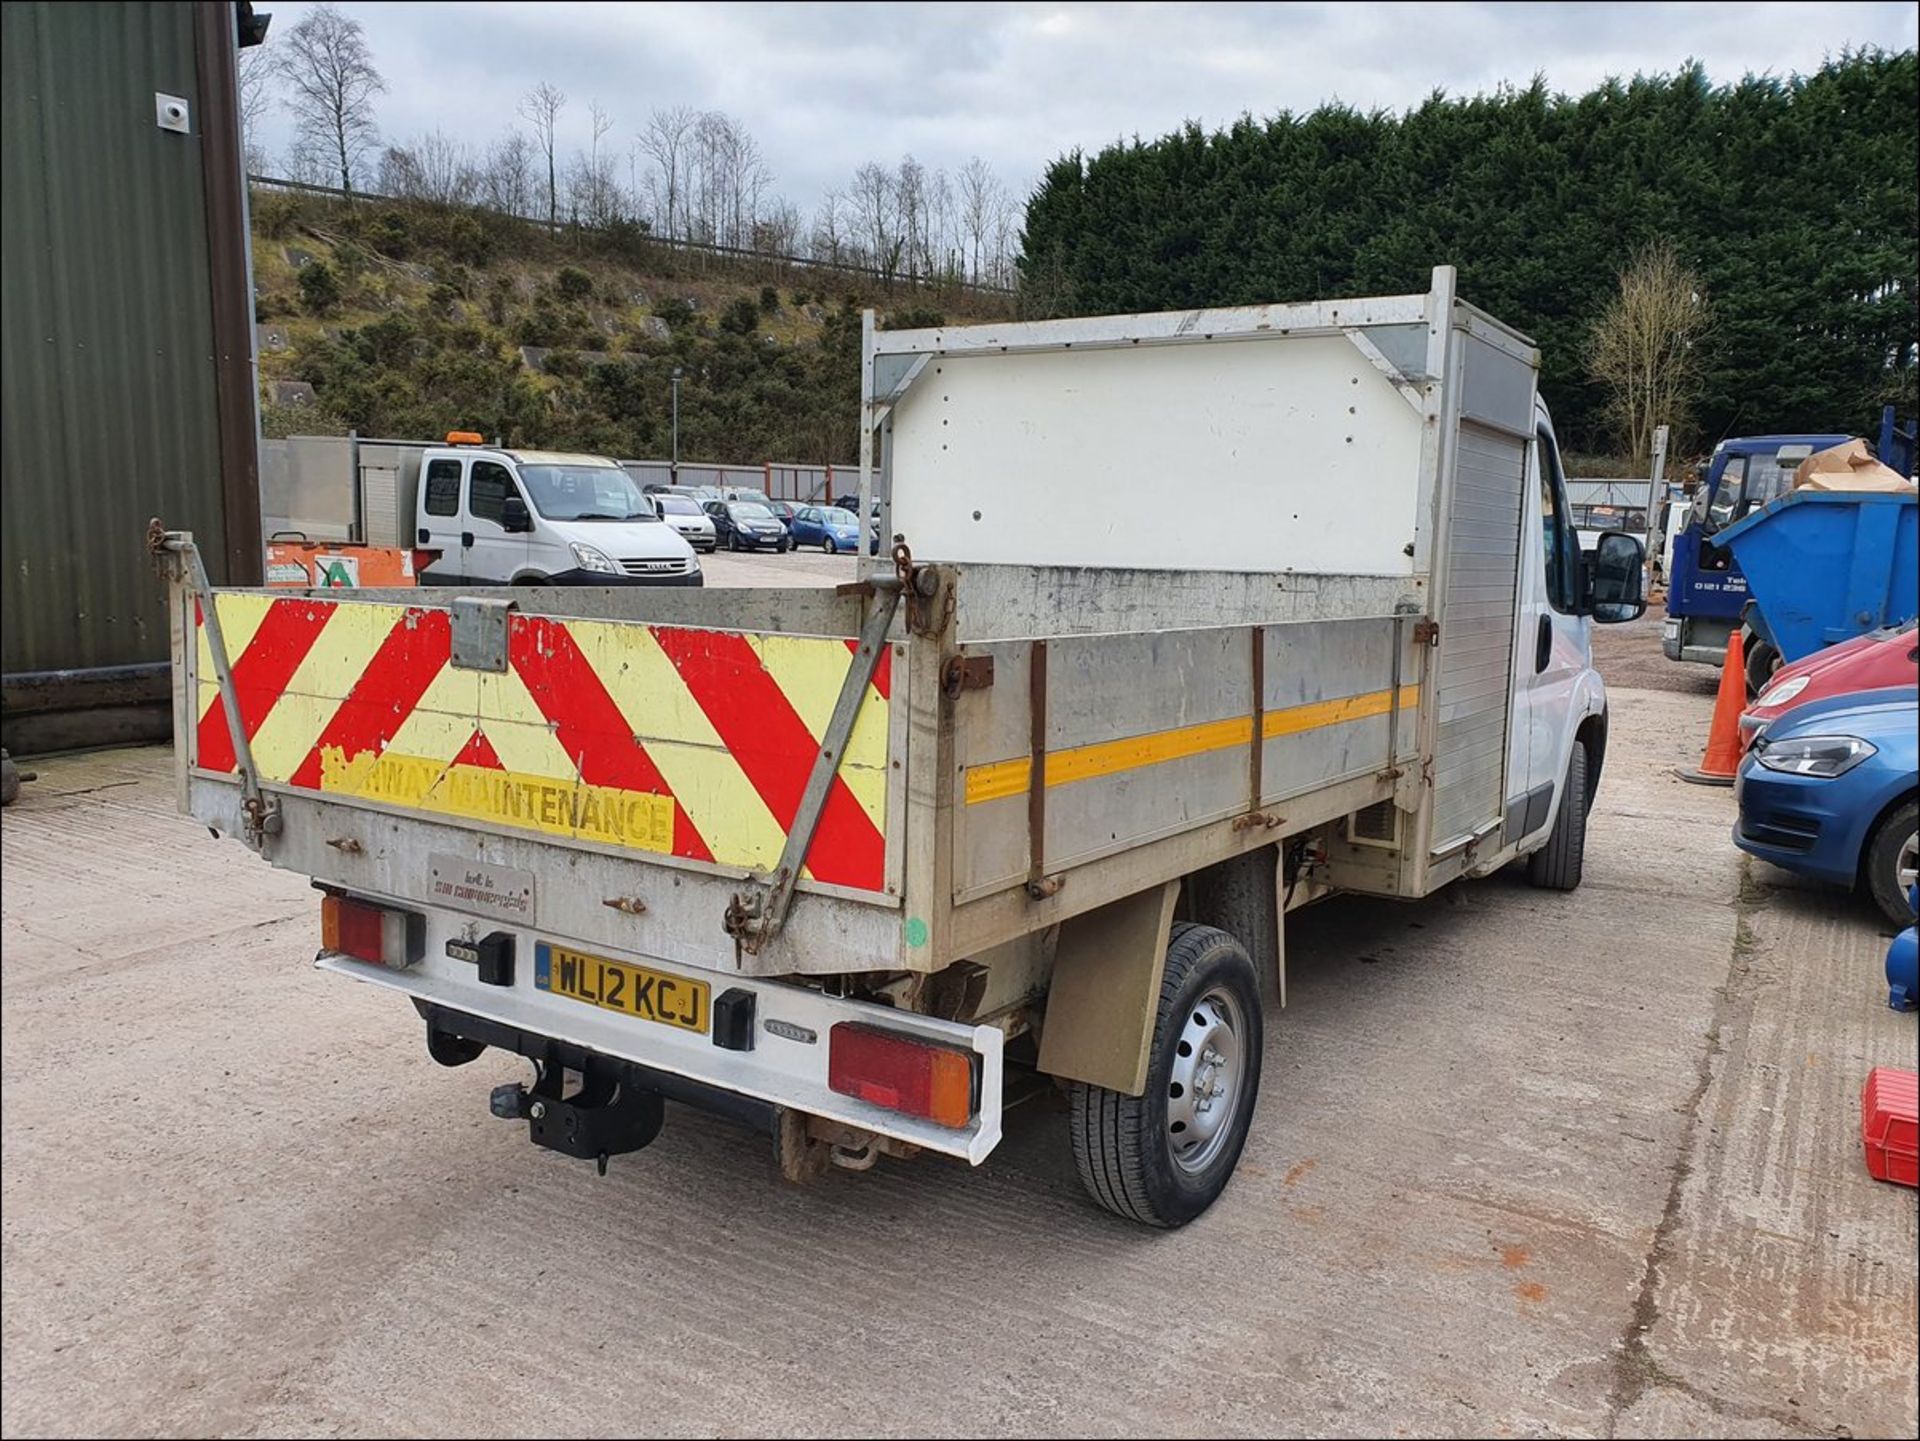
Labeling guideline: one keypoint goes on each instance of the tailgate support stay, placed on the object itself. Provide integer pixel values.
(181, 558)
(756, 917)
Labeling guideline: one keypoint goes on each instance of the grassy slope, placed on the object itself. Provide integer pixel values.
(428, 339)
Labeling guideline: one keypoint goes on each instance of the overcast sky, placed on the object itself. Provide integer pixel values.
(824, 87)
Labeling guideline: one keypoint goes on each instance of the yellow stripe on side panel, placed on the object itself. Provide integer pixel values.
(1000, 779)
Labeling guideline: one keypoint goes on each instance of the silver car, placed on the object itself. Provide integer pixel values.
(684, 514)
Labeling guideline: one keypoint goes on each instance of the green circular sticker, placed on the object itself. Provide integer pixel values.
(916, 932)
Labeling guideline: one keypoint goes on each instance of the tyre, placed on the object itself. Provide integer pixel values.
(1163, 1157)
(1762, 661)
(733, 541)
(1891, 856)
(1556, 865)
(830, 546)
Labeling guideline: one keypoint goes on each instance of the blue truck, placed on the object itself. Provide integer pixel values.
(1707, 595)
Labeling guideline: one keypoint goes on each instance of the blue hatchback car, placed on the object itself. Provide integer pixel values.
(827, 526)
(1830, 789)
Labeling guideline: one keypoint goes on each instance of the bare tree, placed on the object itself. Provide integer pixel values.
(1644, 348)
(593, 194)
(777, 231)
(665, 143)
(829, 239)
(256, 70)
(875, 215)
(979, 199)
(910, 200)
(436, 168)
(541, 107)
(506, 181)
(332, 79)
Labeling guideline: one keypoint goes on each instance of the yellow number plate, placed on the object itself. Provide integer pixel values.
(617, 986)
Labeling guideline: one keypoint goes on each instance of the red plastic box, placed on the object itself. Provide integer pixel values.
(1890, 1125)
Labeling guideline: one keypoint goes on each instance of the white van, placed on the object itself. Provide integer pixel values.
(534, 517)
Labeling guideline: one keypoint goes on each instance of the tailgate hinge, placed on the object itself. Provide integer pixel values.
(967, 672)
(755, 917)
(180, 563)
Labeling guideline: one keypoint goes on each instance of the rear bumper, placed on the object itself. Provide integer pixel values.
(1699, 640)
(785, 1065)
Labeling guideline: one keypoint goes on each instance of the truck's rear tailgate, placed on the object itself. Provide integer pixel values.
(678, 745)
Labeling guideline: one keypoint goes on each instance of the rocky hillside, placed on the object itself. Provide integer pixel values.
(408, 321)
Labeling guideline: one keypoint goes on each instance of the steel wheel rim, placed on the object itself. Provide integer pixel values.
(1906, 866)
(1203, 1091)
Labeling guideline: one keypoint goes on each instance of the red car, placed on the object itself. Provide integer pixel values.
(1874, 661)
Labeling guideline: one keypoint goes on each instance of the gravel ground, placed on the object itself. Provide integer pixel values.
(1524, 1163)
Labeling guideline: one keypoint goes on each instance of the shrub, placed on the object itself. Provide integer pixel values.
(769, 299)
(573, 283)
(678, 313)
(540, 326)
(390, 233)
(740, 318)
(498, 294)
(914, 318)
(319, 288)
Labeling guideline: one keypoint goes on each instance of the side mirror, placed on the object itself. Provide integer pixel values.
(515, 518)
(1615, 579)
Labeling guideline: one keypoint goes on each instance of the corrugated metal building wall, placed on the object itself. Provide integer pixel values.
(126, 351)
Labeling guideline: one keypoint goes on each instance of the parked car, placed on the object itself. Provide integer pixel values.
(873, 530)
(827, 526)
(1874, 661)
(700, 494)
(747, 525)
(684, 514)
(1829, 790)
(849, 502)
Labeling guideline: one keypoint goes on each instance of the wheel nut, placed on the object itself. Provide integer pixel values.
(537, 1110)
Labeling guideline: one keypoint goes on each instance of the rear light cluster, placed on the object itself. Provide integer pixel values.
(901, 1073)
(380, 934)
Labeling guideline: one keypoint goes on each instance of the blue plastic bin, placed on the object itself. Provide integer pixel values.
(1824, 566)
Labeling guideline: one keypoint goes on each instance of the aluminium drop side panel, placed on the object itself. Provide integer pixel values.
(1149, 736)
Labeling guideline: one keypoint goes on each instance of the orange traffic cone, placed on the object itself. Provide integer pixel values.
(1722, 759)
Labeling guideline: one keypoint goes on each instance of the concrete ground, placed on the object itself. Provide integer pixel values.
(1524, 1163)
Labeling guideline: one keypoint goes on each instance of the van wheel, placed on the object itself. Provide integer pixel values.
(1163, 1157)
(1556, 865)
(1890, 862)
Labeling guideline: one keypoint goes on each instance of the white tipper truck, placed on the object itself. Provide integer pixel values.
(1026, 805)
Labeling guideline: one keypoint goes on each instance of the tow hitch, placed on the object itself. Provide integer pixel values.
(607, 1116)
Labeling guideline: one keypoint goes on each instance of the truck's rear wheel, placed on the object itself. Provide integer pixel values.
(1556, 866)
(1164, 1156)
(1762, 660)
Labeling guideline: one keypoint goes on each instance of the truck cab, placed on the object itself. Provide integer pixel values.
(531, 517)
(1706, 592)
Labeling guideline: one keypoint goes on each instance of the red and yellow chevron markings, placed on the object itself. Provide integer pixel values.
(678, 741)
